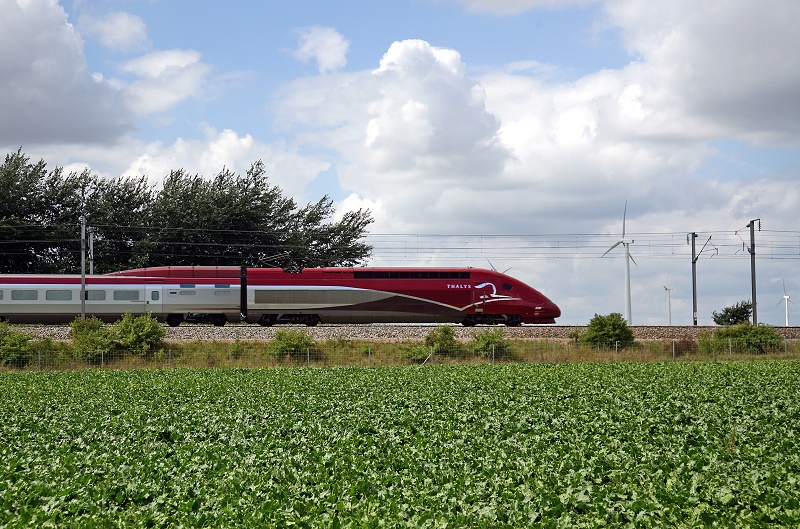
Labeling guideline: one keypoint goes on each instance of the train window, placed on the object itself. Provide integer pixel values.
(24, 295)
(154, 295)
(222, 286)
(222, 292)
(58, 295)
(187, 293)
(506, 286)
(95, 295)
(187, 285)
(126, 295)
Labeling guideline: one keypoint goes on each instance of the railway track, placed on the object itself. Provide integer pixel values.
(393, 332)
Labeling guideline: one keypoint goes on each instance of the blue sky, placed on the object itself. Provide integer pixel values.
(509, 131)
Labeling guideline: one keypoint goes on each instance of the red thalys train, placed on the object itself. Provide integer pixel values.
(270, 296)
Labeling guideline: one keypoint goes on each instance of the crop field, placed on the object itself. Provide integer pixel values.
(556, 445)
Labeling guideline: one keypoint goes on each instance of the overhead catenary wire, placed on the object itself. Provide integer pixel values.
(773, 244)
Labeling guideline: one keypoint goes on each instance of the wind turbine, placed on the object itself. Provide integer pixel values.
(786, 299)
(626, 244)
(669, 299)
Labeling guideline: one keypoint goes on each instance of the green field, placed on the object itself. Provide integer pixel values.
(567, 445)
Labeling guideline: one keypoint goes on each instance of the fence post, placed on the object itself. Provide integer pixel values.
(616, 351)
(554, 354)
(169, 358)
(40, 359)
(308, 357)
(730, 347)
(102, 359)
(673, 349)
(369, 355)
(493, 353)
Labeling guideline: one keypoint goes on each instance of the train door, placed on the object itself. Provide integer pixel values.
(480, 295)
(152, 298)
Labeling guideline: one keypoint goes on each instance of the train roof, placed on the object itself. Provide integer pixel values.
(182, 271)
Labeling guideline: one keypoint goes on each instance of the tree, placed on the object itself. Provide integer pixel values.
(22, 210)
(228, 220)
(734, 315)
(117, 211)
(244, 220)
(604, 331)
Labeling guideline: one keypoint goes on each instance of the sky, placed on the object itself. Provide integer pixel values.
(514, 134)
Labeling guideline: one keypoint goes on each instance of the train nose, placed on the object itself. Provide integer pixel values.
(552, 309)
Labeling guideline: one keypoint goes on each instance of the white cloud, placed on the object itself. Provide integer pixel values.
(216, 150)
(324, 45)
(166, 78)
(723, 65)
(116, 31)
(48, 94)
(410, 129)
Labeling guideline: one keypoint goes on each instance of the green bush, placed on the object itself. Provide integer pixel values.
(15, 347)
(442, 340)
(742, 338)
(140, 335)
(416, 353)
(90, 339)
(294, 344)
(490, 343)
(606, 331)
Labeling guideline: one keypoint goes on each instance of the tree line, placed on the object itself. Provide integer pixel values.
(229, 219)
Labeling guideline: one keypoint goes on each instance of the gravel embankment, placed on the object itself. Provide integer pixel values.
(394, 332)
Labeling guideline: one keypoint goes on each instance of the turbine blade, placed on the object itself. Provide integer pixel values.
(615, 245)
(784, 286)
(624, 214)
(634, 260)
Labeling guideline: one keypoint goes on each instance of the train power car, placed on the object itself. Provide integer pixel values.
(270, 296)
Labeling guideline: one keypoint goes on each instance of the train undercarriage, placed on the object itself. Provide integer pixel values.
(218, 320)
(511, 320)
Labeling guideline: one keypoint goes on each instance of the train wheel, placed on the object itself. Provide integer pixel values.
(173, 320)
(267, 320)
(514, 320)
(219, 320)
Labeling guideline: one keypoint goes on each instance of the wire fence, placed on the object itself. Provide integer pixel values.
(242, 354)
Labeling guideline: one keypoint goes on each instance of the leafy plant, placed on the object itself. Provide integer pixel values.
(15, 347)
(91, 339)
(442, 340)
(744, 338)
(140, 334)
(416, 353)
(294, 344)
(569, 445)
(606, 331)
(490, 343)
